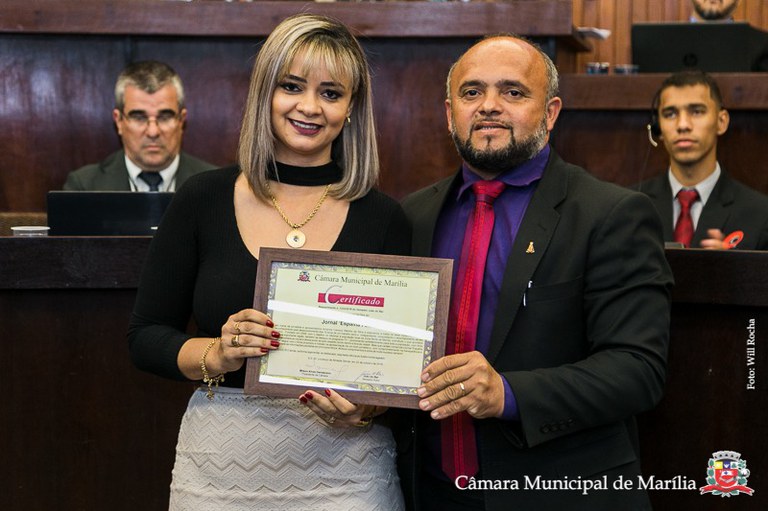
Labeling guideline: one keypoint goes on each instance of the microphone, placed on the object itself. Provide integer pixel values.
(650, 136)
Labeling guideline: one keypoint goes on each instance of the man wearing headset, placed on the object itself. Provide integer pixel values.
(699, 204)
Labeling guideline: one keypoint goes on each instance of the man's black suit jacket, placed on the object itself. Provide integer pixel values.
(112, 174)
(731, 207)
(584, 354)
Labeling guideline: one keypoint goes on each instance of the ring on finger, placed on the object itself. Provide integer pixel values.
(463, 388)
(235, 342)
(237, 328)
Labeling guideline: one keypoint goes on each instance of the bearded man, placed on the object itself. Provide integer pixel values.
(559, 320)
(713, 10)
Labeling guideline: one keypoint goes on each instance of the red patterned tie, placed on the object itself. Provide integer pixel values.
(459, 450)
(684, 226)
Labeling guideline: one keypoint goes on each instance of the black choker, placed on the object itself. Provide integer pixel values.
(306, 176)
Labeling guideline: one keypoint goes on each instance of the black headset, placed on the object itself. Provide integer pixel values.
(654, 131)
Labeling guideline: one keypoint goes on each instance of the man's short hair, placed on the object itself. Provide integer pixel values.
(690, 78)
(148, 76)
(553, 78)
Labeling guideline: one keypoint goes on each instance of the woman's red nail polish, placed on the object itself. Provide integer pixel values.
(303, 400)
(264, 350)
(269, 323)
(308, 396)
(275, 343)
(275, 334)
(328, 392)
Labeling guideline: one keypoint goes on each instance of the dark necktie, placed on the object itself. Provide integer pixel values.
(459, 450)
(684, 226)
(153, 179)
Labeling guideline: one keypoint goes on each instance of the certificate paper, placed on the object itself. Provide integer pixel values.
(365, 325)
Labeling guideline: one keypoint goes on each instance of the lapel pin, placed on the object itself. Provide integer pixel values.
(530, 249)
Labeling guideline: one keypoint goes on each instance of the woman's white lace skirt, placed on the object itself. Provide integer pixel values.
(250, 453)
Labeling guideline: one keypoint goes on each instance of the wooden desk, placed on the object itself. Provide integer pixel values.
(82, 428)
(707, 406)
(86, 430)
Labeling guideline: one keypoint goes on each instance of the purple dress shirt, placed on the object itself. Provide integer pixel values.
(509, 209)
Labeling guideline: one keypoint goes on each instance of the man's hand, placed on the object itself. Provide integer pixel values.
(464, 381)
(714, 240)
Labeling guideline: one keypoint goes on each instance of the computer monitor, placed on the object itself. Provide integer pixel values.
(712, 47)
(80, 213)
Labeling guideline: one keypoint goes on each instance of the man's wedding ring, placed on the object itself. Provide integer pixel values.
(235, 342)
(463, 389)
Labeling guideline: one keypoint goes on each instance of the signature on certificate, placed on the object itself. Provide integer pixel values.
(370, 376)
(314, 369)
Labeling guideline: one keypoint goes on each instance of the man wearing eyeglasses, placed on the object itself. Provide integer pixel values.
(149, 115)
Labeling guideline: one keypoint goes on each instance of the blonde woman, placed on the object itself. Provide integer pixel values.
(307, 165)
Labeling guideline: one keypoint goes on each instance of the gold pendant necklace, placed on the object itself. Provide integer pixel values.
(296, 238)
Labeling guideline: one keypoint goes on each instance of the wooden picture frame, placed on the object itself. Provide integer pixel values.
(365, 325)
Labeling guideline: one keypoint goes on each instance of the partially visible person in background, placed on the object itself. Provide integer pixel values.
(150, 118)
(700, 205)
(713, 10)
(308, 163)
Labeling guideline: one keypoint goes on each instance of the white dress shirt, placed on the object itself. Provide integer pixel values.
(704, 188)
(168, 174)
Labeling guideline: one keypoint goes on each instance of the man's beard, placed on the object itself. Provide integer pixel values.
(496, 161)
(713, 13)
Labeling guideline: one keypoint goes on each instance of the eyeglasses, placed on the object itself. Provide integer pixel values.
(165, 120)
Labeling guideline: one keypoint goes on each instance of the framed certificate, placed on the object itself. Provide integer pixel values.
(365, 325)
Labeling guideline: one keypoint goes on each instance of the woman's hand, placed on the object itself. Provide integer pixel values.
(337, 412)
(248, 333)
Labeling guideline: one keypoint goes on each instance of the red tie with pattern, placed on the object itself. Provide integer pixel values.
(459, 450)
(684, 226)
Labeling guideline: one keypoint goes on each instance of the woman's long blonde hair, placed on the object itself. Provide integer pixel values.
(321, 41)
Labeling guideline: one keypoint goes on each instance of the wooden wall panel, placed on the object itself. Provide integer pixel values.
(40, 131)
(622, 29)
(216, 74)
(58, 102)
(764, 14)
(408, 88)
(415, 123)
(56, 84)
(613, 145)
(56, 96)
(618, 16)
